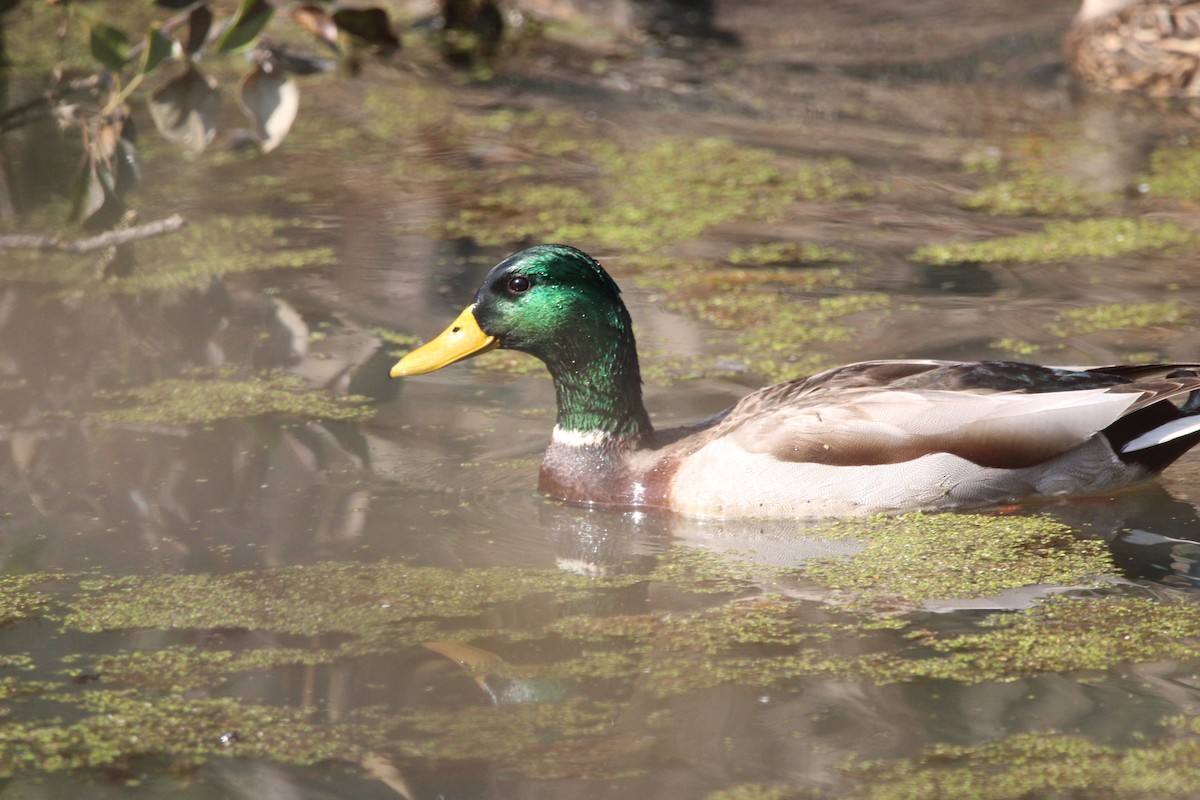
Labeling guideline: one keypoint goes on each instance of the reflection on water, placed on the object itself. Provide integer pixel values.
(386, 607)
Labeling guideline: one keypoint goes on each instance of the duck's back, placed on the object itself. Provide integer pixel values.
(907, 435)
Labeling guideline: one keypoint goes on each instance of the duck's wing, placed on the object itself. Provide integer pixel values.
(994, 414)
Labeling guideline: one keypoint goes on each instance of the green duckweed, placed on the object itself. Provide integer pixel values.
(199, 400)
(774, 253)
(668, 191)
(918, 557)
(1039, 764)
(1116, 316)
(1174, 172)
(1063, 241)
(1034, 193)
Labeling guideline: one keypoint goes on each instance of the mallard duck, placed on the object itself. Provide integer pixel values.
(1146, 46)
(877, 436)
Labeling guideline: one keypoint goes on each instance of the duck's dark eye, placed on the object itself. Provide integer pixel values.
(518, 284)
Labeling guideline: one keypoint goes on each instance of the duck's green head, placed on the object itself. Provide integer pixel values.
(552, 301)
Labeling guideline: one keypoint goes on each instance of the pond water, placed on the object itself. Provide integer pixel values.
(239, 562)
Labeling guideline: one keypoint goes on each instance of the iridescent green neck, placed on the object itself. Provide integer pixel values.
(599, 385)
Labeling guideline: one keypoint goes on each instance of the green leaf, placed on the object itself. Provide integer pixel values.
(110, 46)
(157, 49)
(126, 166)
(87, 192)
(199, 22)
(97, 205)
(251, 17)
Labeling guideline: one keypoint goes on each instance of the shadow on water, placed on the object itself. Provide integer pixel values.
(239, 562)
(1152, 535)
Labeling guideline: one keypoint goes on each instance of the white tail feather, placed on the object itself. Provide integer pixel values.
(1163, 434)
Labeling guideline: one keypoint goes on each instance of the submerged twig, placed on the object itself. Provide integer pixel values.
(110, 239)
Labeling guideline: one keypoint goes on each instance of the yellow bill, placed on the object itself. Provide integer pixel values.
(462, 339)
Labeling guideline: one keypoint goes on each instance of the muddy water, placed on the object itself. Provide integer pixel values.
(224, 578)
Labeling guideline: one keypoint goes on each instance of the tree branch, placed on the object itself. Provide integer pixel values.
(109, 239)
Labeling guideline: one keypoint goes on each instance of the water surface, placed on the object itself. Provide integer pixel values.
(307, 595)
